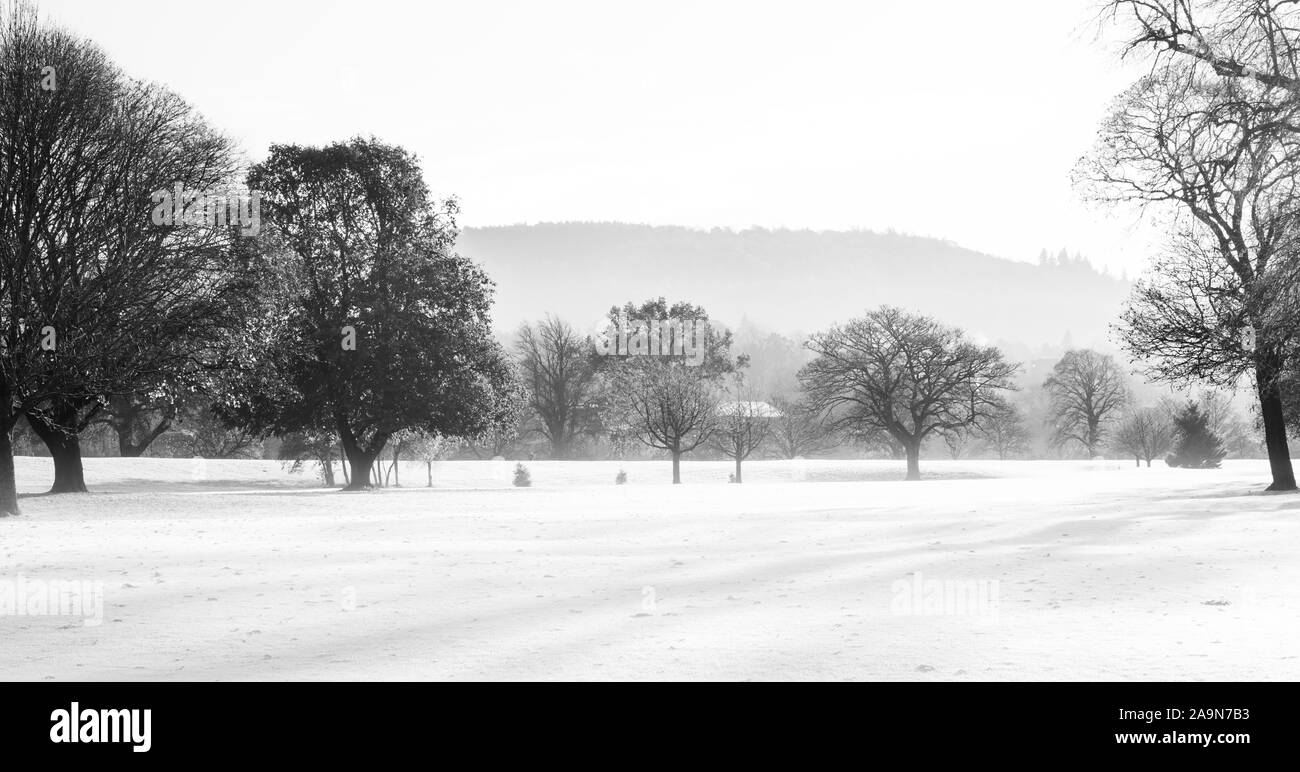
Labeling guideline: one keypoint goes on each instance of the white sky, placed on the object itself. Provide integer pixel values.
(955, 119)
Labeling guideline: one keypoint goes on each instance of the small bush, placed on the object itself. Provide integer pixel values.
(620, 478)
(522, 478)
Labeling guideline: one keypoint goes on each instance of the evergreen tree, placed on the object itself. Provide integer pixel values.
(1198, 447)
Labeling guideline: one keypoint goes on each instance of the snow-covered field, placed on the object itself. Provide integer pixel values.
(237, 570)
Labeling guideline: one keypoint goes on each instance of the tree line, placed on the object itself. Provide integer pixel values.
(346, 321)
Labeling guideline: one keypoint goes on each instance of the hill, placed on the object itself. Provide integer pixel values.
(790, 281)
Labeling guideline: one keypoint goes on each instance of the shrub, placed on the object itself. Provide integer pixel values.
(522, 478)
(620, 478)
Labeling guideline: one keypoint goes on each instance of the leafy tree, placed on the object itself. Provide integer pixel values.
(430, 448)
(387, 328)
(501, 439)
(205, 434)
(139, 420)
(300, 447)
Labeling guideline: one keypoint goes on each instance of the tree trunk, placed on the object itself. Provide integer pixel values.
(358, 466)
(1137, 462)
(68, 474)
(1270, 410)
(128, 449)
(361, 459)
(361, 465)
(738, 469)
(327, 469)
(8, 486)
(65, 449)
(125, 448)
(677, 468)
(430, 465)
(914, 461)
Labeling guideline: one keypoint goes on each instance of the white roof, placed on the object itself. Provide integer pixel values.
(755, 409)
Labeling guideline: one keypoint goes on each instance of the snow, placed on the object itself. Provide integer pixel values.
(238, 570)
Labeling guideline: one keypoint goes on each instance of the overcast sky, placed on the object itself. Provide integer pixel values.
(957, 119)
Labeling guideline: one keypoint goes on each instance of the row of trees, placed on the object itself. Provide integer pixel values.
(892, 382)
(350, 320)
(889, 378)
(343, 311)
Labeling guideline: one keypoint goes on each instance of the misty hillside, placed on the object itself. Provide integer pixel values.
(789, 281)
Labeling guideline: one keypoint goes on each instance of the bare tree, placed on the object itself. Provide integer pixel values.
(559, 373)
(1144, 434)
(501, 439)
(667, 399)
(1006, 432)
(127, 306)
(799, 430)
(1087, 391)
(672, 408)
(1219, 156)
(958, 442)
(904, 376)
(1255, 40)
(743, 423)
